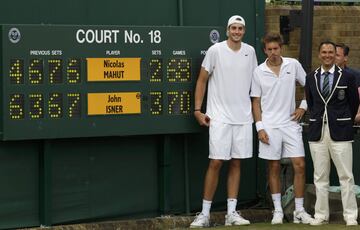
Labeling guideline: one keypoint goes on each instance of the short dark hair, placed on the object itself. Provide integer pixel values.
(327, 43)
(344, 47)
(272, 37)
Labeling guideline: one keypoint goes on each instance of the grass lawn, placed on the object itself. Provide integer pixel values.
(264, 226)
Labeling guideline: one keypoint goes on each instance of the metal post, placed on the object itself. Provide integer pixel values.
(307, 8)
(259, 28)
(181, 12)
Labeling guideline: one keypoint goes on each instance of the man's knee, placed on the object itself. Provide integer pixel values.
(274, 167)
(299, 166)
(215, 165)
(235, 163)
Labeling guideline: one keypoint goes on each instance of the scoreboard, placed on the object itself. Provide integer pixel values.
(87, 81)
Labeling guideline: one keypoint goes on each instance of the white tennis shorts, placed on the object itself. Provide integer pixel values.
(284, 142)
(227, 141)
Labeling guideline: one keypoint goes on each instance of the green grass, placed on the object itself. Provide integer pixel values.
(265, 226)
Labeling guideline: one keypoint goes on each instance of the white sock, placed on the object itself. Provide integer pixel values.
(299, 204)
(206, 205)
(277, 201)
(231, 205)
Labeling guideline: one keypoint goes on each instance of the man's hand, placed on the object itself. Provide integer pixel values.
(298, 114)
(202, 118)
(357, 118)
(263, 137)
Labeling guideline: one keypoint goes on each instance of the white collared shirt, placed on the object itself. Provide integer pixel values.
(277, 92)
(331, 77)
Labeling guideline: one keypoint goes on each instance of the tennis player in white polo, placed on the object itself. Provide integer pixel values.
(280, 135)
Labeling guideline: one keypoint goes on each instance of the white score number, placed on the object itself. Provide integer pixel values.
(155, 36)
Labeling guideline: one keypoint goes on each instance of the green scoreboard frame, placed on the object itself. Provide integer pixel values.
(87, 81)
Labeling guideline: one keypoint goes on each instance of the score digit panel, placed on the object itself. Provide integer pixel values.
(88, 81)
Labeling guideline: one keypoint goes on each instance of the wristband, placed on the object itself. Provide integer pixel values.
(303, 105)
(259, 125)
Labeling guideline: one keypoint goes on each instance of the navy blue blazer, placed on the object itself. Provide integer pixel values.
(340, 107)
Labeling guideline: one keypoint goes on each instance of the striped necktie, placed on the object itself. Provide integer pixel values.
(326, 85)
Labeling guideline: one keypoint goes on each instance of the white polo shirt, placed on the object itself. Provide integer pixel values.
(277, 92)
(230, 74)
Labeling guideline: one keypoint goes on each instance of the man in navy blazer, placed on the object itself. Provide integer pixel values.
(332, 99)
(341, 59)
